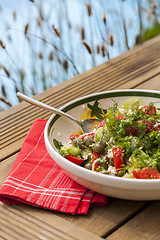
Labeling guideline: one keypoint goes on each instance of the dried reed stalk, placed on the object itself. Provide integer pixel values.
(22, 76)
(89, 9)
(14, 15)
(50, 57)
(56, 30)
(2, 44)
(5, 101)
(3, 91)
(104, 19)
(87, 47)
(65, 65)
(16, 89)
(40, 55)
(111, 40)
(6, 71)
(104, 51)
(138, 39)
(38, 20)
(98, 49)
(26, 27)
(33, 92)
(154, 7)
(125, 33)
(82, 33)
(44, 40)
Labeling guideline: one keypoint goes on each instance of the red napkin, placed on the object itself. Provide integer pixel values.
(35, 179)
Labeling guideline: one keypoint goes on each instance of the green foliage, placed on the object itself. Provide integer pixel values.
(150, 33)
(96, 110)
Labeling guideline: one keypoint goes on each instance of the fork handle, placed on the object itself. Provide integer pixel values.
(45, 106)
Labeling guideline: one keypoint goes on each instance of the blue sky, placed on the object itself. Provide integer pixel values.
(12, 33)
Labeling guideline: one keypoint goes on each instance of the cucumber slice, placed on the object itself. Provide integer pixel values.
(132, 104)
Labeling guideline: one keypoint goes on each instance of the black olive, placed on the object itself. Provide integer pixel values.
(77, 142)
(88, 140)
(99, 147)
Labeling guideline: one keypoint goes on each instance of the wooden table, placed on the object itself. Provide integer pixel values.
(138, 68)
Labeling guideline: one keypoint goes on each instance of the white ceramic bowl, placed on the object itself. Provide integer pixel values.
(61, 128)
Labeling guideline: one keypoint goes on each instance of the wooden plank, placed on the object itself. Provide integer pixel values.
(144, 226)
(13, 134)
(17, 228)
(138, 81)
(99, 221)
(5, 236)
(5, 167)
(153, 84)
(31, 223)
(103, 220)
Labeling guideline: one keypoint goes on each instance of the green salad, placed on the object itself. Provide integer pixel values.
(126, 143)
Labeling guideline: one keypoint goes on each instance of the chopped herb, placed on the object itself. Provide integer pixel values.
(57, 144)
(96, 111)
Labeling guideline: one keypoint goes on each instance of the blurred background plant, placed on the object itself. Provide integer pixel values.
(43, 43)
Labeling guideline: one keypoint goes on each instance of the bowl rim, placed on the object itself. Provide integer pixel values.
(91, 175)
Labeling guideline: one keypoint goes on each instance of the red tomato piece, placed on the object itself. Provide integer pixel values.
(75, 160)
(121, 117)
(157, 128)
(149, 110)
(118, 158)
(99, 125)
(132, 130)
(135, 130)
(146, 173)
(73, 136)
(95, 155)
(149, 125)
